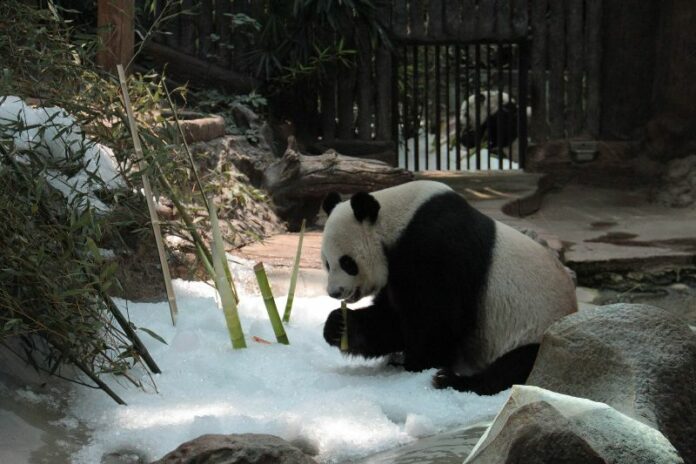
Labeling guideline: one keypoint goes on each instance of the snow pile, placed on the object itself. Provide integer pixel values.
(448, 155)
(54, 134)
(306, 392)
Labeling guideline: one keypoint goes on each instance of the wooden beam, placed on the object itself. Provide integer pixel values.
(593, 57)
(383, 74)
(557, 60)
(115, 20)
(575, 60)
(198, 72)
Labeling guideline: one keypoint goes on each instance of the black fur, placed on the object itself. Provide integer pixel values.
(501, 124)
(370, 330)
(365, 206)
(510, 369)
(330, 202)
(437, 269)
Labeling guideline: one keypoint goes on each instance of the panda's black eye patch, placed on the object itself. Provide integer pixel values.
(349, 265)
(326, 263)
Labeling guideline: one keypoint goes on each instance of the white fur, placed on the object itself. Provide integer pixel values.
(344, 235)
(527, 291)
(469, 107)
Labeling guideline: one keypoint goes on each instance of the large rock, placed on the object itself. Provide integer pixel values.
(638, 359)
(538, 426)
(248, 448)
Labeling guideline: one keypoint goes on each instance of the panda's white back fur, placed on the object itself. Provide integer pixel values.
(523, 275)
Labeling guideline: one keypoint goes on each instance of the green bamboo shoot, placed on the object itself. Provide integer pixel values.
(223, 284)
(344, 335)
(293, 277)
(268, 300)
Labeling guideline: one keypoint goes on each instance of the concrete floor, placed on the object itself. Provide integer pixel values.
(598, 229)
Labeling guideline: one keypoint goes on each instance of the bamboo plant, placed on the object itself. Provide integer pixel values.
(268, 300)
(293, 277)
(149, 197)
(344, 335)
(223, 284)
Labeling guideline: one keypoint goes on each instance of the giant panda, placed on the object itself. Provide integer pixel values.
(498, 123)
(453, 289)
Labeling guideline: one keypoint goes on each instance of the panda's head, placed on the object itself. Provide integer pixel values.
(352, 251)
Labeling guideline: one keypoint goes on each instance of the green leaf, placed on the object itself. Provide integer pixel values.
(153, 335)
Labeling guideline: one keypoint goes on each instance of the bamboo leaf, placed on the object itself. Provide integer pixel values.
(153, 335)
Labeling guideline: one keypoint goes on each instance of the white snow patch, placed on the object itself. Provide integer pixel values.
(53, 133)
(448, 155)
(345, 408)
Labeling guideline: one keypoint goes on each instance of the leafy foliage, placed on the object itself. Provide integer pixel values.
(53, 279)
(302, 37)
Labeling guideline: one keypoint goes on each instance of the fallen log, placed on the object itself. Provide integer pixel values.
(298, 183)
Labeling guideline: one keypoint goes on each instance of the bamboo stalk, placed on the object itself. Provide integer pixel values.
(187, 149)
(149, 197)
(268, 300)
(85, 370)
(224, 287)
(132, 335)
(293, 277)
(186, 146)
(197, 239)
(344, 335)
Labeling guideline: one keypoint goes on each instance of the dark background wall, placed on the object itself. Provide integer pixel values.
(648, 65)
(675, 77)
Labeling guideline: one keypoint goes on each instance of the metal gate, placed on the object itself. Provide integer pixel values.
(461, 106)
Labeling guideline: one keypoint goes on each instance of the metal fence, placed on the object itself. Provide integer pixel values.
(449, 54)
(462, 107)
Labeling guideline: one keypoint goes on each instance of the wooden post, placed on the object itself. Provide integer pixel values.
(539, 129)
(557, 61)
(115, 19)
(575, 63)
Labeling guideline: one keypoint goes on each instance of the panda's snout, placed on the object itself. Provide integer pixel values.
(337, 294)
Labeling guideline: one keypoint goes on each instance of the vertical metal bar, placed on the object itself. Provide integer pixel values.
(394, 103)
(426, 103)
(438, 118)
(447, 105)
(499, 121)
(458, 105)
(467, 93)
(406, 128)
(477, 99)
(416, 115)
(523, 65)
(488, 103)
(511, 122)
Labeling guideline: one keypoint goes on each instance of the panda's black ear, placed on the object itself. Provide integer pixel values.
(330, 202)
(365, 206)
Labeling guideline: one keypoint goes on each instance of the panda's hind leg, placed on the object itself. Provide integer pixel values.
(512, 368)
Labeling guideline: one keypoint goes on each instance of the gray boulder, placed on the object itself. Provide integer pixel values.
(639, 359)
(245, 448)
(537, 426)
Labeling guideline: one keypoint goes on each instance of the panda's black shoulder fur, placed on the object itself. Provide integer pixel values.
(437, 273)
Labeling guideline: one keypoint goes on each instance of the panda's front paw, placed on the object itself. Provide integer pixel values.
(333, 328)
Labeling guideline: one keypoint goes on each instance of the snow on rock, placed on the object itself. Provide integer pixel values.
(53, 133)
(305, 392)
